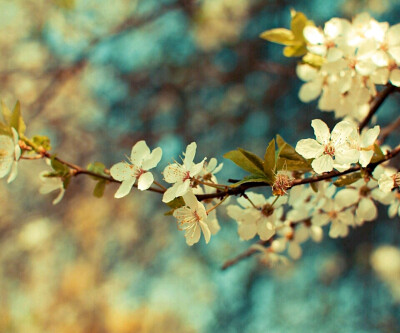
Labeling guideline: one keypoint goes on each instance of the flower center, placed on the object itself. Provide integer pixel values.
(139, 172)
(267, 210)
(333, 214)
(281, 185)
(186, 176)
(329, 150)
(364, 191)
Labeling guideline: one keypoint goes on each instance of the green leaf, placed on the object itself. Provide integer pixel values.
(289, 159)
(269, 160)
(66, 181)
(175, 204)
(279, 36)
(6, 113)
(42, 141)
(298, 23)
(16, 120)
(347, 179)
(99, 188)
(97, 167)
(314, 187)
(61, 169)
(246, 160)
(254, 179)
(294, 51)
(5, 130)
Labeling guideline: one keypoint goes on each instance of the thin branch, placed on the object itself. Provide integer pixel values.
(246, 254)
(376, 103)
(386, 131)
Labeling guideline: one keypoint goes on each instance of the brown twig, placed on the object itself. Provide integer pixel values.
(385, 132)
(376, 103)
(246, 254)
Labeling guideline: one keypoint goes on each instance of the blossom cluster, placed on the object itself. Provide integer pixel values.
(345, 62)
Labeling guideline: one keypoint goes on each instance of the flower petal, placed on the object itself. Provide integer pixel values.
(366, 210)
(321, 131)
(322, 164)
(189, 155)
(153, 159)
(145, 181)
(309, 148)
(125, 188)
(121, 171)
(140, 151)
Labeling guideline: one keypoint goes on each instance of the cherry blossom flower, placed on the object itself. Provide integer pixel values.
(329, 150)
(193, 219)
(181, 174)
(10, 153)
(362, 194)
(339, 217)
(388, 180)
(51, 184)
(140, 162)
(364, 144)
(261, 219)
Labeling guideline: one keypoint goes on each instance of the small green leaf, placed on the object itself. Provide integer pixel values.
(254, 179)
(298, 23)
(289, 159)
(6, 113)
(97, 167)
(16, 120)
(269, 160)
(61, 169)
(279, 36)
(314, 187)
(347, 179)
(42, 141)
(246, 160)
(175, 204)
(99, 188)
(66, 181)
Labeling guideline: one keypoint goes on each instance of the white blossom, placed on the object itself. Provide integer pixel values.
(261, 219)
(50, 184)
(140, 162)
(10, 152)
(329, 150)
(181, 174)
(193, 219)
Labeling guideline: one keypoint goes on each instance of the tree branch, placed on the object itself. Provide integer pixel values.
(376, 103)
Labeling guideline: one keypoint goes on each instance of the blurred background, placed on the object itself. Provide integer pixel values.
(96, 77)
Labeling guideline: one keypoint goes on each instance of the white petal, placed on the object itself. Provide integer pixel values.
(393, 209)
(341, 132)
(140, 151)
(125, 188)
(13, 173)
(192, 235)
(322, 164)
(189, 155)
(316, 233)
(395, 77)
(380, 76)
(191, 200)
(121, 171)
(380, 58)
(393, 35)
(310, 90)
(182, 188)
(170, 193)
(174, 173)
(196, 169)
(306, 72)
(153, 159)
(321, 131)
(320, 219)
(294, 250)
(365, 157)
(5, 166)
(247, 231)
(206, 231)
(386, 183)
(395, 53)
(369, 137)
(346, 197)
(366, 210)
(338, 230)
(145, 181)
(346, 156)
(313, 35)
(309, 148)
(59, 197)
(211, 165)
(264, 232)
